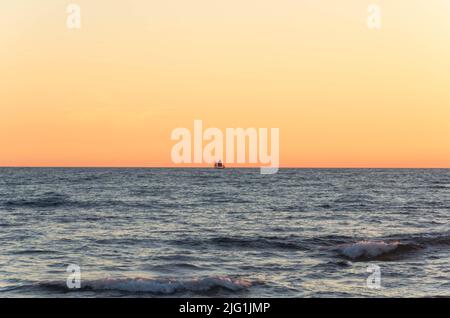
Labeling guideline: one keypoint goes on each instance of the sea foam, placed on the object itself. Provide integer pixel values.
(367, 249)
(165, 286)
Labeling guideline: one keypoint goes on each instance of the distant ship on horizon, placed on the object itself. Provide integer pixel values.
(219, 165)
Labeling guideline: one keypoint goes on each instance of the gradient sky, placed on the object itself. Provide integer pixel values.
(111, 93)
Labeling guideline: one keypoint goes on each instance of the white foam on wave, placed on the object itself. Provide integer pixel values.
(367, 249)
(165, 286)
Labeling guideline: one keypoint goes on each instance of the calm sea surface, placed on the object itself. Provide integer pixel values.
(224, 233)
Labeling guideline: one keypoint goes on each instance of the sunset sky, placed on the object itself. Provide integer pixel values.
(110, 93)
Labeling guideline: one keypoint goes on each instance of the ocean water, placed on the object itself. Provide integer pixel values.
(224, 233)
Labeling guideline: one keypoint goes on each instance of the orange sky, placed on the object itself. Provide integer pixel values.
(111, 93)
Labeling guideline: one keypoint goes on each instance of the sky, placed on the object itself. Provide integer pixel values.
(111, 92)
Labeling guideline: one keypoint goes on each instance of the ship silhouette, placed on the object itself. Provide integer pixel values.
(219, 165)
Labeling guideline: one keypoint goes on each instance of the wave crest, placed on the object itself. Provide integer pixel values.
(162, 286)
(370, 250)
(46, 200)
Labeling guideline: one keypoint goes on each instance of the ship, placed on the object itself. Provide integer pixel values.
(219, 165)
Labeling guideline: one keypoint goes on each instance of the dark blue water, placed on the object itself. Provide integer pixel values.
(232, 232)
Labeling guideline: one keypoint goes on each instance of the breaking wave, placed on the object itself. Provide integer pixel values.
(158, 286)
(392, 247)
(370, 250)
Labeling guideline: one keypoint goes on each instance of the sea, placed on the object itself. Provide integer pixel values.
(137, 232)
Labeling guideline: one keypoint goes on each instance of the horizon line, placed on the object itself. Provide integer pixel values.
(208, 167)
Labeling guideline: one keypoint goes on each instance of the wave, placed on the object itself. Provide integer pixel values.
(375, 250)
(382, 248)
(49, 199)
(248, 242)
(158, 286)
(432, 239)
(392, 248)
(31, 251)
(58, 200)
